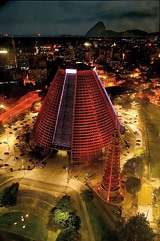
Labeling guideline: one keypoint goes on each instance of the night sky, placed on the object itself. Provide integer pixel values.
(77, 17)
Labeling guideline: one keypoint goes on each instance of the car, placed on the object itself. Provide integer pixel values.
(127, 145)
(6, 153)
(76, 176)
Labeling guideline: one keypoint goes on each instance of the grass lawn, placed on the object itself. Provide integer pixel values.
(28, 226)
(99, 225)
(150, 114)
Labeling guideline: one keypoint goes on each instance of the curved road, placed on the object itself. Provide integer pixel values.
(21, 105)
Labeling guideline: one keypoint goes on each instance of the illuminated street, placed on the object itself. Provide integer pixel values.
(24, 103)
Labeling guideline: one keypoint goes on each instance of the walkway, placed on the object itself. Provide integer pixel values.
(33, 181)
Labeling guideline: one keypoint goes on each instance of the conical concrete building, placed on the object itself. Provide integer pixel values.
(77, 116)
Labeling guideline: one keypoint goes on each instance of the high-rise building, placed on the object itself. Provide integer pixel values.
(77, 116)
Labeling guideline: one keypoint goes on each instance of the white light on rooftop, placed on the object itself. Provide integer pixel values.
(3, 51)
(71, 71)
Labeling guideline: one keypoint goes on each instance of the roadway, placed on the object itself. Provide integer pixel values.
(23, 104)
(36, 185)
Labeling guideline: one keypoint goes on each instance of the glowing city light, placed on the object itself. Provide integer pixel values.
(71, 71)
(3, 51)
(87, 44)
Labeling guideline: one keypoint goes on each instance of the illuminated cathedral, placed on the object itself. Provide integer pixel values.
(77, 116)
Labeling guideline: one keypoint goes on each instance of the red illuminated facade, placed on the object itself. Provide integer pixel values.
(77, 116)
(110, 181)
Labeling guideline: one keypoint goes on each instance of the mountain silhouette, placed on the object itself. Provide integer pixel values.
(99, 30)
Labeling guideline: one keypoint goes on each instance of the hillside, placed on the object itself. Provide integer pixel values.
(99, 30)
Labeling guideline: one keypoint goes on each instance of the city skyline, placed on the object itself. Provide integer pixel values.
(77, 17)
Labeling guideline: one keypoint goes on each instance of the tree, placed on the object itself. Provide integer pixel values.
(158, 222)
(133, 185)
(134, 167)
(73, 221)
(64, 235)
(9, 195)
(60, 217)
(137, 229)
(87, 195)
(65, 203)
(65, 217)
(126, 104)
(2, 128)
(157, 192)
